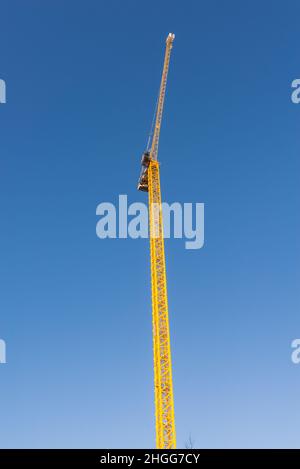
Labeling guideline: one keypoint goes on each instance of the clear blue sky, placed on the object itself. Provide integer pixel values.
(82, 78)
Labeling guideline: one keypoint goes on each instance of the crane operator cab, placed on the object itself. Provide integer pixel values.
(143, 180)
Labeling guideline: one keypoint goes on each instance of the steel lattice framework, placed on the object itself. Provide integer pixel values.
(150, 182)
(163, 385)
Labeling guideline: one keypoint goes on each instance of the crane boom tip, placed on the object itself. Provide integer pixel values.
(171, 37)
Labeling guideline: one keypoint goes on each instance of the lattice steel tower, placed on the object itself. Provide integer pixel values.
(150, 182)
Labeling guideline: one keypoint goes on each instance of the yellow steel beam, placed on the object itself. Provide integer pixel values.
(163, 384)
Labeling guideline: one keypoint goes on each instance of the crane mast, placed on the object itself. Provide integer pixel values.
(150, 182)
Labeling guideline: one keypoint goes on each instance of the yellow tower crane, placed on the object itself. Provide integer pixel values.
(150, 182)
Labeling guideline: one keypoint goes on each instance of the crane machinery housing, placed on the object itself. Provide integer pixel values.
(149, 181)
